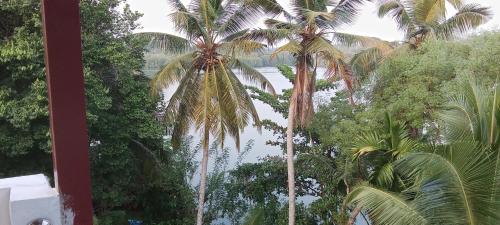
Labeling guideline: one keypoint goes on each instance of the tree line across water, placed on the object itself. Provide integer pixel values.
(411, 139)
(155, 60)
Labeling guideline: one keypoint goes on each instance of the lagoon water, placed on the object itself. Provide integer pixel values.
(260, 149)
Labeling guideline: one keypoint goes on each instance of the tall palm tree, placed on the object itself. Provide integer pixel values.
(419, 20)
(307, 30)
(453, 183)
(209, 96)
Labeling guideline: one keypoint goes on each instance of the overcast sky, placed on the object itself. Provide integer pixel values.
(156, 19)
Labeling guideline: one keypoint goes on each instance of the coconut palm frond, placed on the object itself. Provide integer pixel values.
(292, 47)
(357, 40)
(469, 114)
(345, 11)
(270, 36)
(299, 5)
(350, 39)
(181, 105)
(456, 3)
(241, 47)
(250, 74)
(177, 5)
(269, 7)
(399, 11)
(172, 72)
(366, 61)
(236, 35)
(429, 11)
(337, 68)
(317, 18)
(384, 176)
(248, 110)
(452, 185)
(223, 106)
(187, 23)
(420, 19)
(389, 6)
(166, 42)
(321, 45)
(455, 183)
(244, 108)
(207, 13)
(366, 144)
(468, 17)
(461, 120)
(475, 114)
(277, 24)
(384, 207)
(242, 18)
(382, 149)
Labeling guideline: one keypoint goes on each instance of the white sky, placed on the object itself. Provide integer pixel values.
(156, 19)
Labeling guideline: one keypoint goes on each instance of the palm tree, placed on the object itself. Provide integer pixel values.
(419, 20)
(454, 183)
(381, 149)
(306, 32)
(209, 96)
(476, 115)
(376, 153)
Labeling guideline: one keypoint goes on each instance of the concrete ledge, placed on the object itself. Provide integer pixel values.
(32, 197)
(5, 206)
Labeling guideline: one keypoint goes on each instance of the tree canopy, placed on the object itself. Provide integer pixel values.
(130, 167)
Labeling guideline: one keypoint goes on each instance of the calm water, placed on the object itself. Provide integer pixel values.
(260, 149)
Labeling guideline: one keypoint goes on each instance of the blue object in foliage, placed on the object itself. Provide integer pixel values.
(135, 222)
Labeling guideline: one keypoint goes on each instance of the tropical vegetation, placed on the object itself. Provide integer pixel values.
(209, 95)
(452, 182)
(395, 133)
(306, 32)
(133, 172)
(418, 20)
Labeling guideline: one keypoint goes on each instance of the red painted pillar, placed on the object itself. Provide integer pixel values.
(63, 60)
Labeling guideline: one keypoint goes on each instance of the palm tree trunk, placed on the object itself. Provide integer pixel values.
(203, 180)
(356, 210)
(291, 170)
(354, 214)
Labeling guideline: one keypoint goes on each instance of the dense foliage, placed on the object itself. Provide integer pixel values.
(419, 20)
(413, 85)
(419, 146)
(347, 145)
(452, 182)
(130, 166)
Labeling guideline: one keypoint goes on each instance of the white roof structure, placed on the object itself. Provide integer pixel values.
(31, 197)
